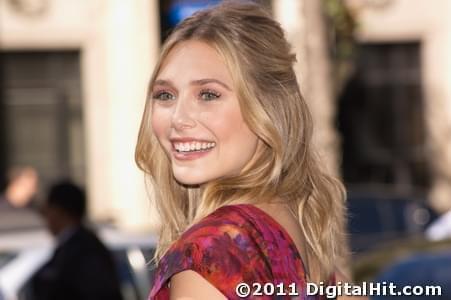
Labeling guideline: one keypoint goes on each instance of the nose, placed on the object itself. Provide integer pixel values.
(183, 115)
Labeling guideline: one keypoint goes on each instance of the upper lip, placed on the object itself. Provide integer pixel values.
(188, 140)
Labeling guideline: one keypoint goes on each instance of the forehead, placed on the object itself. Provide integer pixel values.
(194, 60)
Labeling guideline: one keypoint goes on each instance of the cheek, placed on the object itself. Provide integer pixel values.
(233, 132)
(161, 125)
(160, 122)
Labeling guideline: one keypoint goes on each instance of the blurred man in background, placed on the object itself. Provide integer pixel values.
(81, 267)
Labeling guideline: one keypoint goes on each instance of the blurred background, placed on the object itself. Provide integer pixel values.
(376, 74)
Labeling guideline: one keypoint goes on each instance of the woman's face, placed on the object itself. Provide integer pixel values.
(196, 115)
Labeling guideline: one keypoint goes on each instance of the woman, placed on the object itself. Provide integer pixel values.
(226, 141)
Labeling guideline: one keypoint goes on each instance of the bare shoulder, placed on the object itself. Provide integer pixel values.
(191, 285)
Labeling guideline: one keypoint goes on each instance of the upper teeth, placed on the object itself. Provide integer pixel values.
(193, 146)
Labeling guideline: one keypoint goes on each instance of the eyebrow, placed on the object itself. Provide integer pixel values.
(164, 82)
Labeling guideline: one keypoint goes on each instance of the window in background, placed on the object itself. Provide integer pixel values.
(173, 12)
(381, 119)
(41, 114)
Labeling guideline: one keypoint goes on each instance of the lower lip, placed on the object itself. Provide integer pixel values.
(190, 155)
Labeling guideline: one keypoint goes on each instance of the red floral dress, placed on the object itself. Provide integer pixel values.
(235, 244)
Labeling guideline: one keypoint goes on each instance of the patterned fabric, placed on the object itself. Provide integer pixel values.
(234, 244)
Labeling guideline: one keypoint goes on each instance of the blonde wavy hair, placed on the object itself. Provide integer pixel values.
(258, 56)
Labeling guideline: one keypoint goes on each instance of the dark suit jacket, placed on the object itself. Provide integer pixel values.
(80, 269)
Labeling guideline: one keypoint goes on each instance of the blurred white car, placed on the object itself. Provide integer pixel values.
(23, 252)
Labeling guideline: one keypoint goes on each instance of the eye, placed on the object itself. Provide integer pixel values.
(209, 95)
(163, 96)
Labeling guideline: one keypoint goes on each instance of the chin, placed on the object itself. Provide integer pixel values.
(191, 180)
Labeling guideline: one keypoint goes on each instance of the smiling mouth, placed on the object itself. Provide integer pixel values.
(189, 147)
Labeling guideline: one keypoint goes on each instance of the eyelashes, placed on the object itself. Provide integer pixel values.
(163, 95)
(209, 95)
(204, 94)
